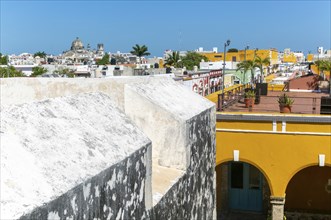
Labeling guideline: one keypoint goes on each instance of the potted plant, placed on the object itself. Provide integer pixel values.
(285, 103)
(249, 98)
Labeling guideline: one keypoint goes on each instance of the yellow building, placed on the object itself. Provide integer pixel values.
(310, 57)
(161, 63)
(214, 57)
(286, 158)
(273, 162)
(241, 55)
(289, 58)
(323, 73)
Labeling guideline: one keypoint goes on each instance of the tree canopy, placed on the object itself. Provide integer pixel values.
(246, 66)
(259, 63)
(40, 54)
(3, 59)
(192, 59)
(38, 70)
(172, 59)
(10, 72)
(104, 60)
(233, 50)
(140, 51)
(323, 65)
(63, 71)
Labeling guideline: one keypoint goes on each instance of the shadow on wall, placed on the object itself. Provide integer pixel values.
(123, 190)
(313, 196)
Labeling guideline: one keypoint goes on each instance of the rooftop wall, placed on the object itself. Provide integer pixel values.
(193, 196)
(159, 107)
(162, 109)
(23, 90)
(71, 153)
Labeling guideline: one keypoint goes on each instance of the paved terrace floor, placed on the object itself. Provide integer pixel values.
(162, 180)
(304, 103)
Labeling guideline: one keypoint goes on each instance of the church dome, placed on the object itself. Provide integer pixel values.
(77, 44)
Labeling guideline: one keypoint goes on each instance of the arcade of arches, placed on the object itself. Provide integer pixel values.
(242, 187)
(277, 171)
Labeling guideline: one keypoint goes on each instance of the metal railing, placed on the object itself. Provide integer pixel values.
(310, 104)
(231, 96)
(301, 105)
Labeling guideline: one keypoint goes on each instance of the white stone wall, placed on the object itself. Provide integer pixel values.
(162, 109)
(50, 147)
(23, 90)
(180, 123)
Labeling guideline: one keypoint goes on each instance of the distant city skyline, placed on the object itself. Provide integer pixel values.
(51, 26)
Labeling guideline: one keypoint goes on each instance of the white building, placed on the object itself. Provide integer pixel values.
(322, 54)
(218, 65)
(200, 50)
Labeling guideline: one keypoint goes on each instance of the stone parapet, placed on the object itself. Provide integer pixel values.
(66, 135)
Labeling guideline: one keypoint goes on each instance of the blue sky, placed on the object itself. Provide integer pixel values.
(51, 26)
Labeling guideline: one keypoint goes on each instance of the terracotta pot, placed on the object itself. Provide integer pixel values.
(284, 109)
(249, 102)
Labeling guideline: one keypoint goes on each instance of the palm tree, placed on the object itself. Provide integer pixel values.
(40, 54)
(245, 66)
(140, 51)
(38, 70)
(259, 63)
(173, 59)
(323, 65)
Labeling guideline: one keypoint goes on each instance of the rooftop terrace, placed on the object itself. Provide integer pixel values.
(304, 103)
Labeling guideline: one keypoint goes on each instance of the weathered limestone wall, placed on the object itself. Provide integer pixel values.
(79, 155)
(23, 90)
(181, 125)
(193, 196)
(115, 193)
(163, 109)
(165, 131)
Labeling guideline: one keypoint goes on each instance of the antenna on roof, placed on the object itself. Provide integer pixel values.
(180, 41)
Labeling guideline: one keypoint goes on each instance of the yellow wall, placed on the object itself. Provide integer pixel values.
(279, 155)
(310, 57)
(161, 63)
(314, 68)
(274, 57)
(213, 57)
(275, 87)
(269, 78)
(240, 55)
(289, 58)
(327, 73)
(251, 54)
